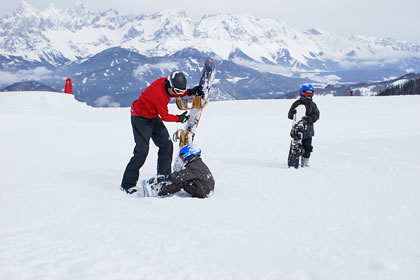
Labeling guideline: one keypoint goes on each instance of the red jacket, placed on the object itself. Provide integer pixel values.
(153, 102)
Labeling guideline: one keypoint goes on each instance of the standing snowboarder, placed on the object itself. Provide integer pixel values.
(311, 116)
(147, 114)
(195, 177)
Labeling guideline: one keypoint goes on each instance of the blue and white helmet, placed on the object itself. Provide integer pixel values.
(307, 91)
(189, 151)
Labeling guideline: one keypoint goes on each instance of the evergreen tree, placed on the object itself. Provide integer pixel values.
(409, 88)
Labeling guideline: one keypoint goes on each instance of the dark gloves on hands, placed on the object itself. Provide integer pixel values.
(307, 119)
(194, 91)
(183, 117)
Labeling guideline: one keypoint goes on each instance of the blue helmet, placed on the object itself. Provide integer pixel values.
(307, 91)
(189, 151)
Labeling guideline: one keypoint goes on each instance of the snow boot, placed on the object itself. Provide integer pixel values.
(151, 188)
(131, 190)
(304, 162)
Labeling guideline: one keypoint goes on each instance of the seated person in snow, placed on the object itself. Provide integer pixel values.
(195, 178)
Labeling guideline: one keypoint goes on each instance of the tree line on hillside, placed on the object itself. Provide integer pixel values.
(409, 88)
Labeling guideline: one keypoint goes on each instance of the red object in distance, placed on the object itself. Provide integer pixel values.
(68, 88)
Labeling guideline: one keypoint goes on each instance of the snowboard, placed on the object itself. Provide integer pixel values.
(196, 105)
(296, 147)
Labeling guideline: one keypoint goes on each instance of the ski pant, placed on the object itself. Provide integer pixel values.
(307, 147)
(191, 188)
(143, 130)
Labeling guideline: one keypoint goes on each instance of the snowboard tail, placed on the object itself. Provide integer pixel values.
(295, 152)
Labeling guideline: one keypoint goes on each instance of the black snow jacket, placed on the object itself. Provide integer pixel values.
(196, 179)
(312, 114)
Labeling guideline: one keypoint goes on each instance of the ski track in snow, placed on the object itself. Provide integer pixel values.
(353, 215)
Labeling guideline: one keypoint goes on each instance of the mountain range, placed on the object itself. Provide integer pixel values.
(29, 86)
(111, 57)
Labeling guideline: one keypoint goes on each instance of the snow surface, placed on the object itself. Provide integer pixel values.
(353, 215)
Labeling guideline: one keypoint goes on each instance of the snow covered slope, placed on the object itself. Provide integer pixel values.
(353, 215)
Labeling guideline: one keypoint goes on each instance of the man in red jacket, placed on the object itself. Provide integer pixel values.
(147, 113)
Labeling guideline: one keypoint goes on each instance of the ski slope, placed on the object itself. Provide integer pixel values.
(353, 215)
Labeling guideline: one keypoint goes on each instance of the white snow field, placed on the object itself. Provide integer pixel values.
(354, 214)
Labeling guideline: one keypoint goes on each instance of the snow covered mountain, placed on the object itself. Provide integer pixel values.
(55, 35)
(266, 57)
(28, 86)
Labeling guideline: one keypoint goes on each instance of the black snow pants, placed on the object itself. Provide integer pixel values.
(143, 130)
(307, 147)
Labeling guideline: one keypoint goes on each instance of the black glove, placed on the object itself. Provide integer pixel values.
(183, 117)
(194, 91)
(306, 119)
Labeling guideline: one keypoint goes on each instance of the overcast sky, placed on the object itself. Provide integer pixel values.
(378, 18)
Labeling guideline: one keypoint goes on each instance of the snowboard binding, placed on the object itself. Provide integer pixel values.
(184, 137)
(189, 103)
(152, 186)
(297, 130)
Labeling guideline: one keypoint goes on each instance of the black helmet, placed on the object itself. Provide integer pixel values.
(177, 82)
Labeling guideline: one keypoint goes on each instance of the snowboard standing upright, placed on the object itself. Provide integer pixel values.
(195, 105)
(296, 147)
